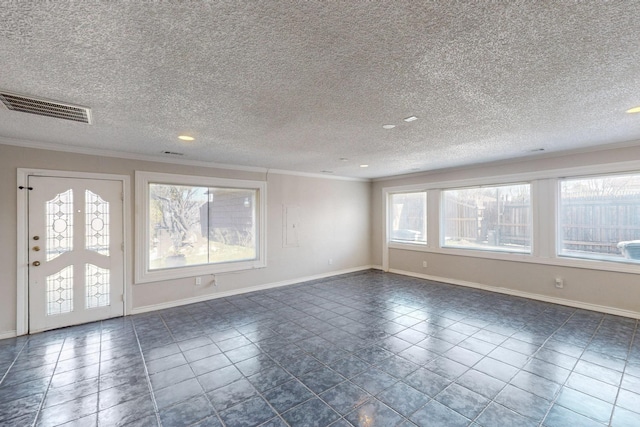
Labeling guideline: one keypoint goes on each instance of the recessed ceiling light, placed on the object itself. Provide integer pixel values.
(186, 138)
(633, 110)
(388, 126)
(410, 119)
(364, 166)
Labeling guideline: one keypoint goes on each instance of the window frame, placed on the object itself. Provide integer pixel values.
(426, 218)
(495, 249)
(588, 258)
(143, 274)
(544, 203)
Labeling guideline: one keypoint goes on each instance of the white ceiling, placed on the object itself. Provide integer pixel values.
(299, 85)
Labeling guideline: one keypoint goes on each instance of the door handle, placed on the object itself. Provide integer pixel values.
(36, 263)
(36, 248)
(36, 237)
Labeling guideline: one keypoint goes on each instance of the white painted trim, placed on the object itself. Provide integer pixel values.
(22, 246)
(317, 175)
(142, 272)
(159, 159)
(201, 298)
(7, 334)
(514, 160)
(538, 297)
(385, 230)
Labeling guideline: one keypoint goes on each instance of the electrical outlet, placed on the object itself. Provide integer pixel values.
(559, 283)
(424, 264)
(198, 281)
(330, 262)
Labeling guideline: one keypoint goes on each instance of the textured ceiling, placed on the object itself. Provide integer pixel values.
(300, 85)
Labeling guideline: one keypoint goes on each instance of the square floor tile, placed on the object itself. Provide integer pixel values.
(373, 410)
(438, 415)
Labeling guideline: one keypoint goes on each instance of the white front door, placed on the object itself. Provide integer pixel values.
(76, 257)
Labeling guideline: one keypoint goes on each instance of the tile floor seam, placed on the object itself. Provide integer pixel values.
(44, 396)
(146, 374)
(15, 359)
(204, 392)
(557, 393)
(626, 362)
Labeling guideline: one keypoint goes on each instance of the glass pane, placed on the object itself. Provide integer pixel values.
(178, 221)
(490, 218)
(60, 292)
(408, 217)
(59, 224)
(600, 218)
(97, 286)
(232, 224)
(97, 226)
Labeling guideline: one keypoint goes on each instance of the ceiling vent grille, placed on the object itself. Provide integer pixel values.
(45, 107)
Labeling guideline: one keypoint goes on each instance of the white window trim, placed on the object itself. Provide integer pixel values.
(481, 249)
(142, 272)
(412, 244)
(558, 233)
(544, 202)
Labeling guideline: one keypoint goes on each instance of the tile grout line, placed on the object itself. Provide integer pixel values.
(626, 363)
(146, 372)
(14, 361)
(44, 396)
(555, 396)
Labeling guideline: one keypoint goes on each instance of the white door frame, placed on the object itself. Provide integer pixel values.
(22, 249)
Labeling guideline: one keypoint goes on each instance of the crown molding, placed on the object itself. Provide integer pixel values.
(158, 159)
(515, 160)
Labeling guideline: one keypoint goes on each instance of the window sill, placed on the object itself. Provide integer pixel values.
(588, 264)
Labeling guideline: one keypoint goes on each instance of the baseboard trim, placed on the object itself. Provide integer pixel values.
(545, 298)
(224, 294)
(7, 334)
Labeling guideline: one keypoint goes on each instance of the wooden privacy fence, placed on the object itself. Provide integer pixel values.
(591, 224)
(597, 224)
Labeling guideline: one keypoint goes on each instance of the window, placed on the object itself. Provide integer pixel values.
(198, 225)
(408, 217)
(599, 218)
(488, 218)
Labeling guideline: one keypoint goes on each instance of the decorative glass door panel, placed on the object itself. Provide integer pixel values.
(75, 251)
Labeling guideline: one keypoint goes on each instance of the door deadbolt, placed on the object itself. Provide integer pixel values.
(36, 237)
(36, 263)
(36, 248)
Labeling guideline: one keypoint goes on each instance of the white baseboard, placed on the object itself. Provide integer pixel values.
(7, 334)
(376, 267)
(207, 297)
(571, 303)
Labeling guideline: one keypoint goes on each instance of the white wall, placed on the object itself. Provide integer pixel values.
(616, 292)
(339, 220)
(334, 224)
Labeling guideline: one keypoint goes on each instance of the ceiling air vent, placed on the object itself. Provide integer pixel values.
(45, 107)
(173, 153)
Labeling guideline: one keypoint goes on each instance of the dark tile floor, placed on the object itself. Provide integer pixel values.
(367, 349)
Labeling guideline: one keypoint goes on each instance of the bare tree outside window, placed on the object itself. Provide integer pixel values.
(192, 225)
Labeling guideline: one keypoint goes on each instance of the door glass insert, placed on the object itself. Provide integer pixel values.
(97, 286)
(97, 223)
(59, 224)
(60, 292)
